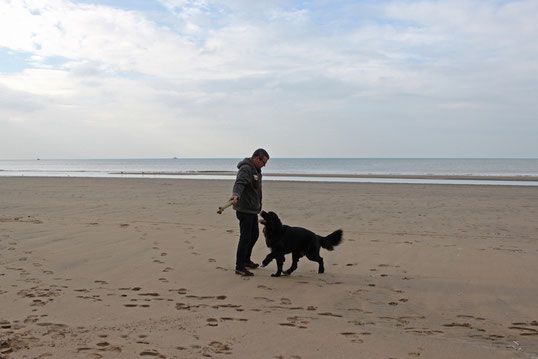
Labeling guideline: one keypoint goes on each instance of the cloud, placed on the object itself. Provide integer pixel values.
(117, 40)
(216, 70)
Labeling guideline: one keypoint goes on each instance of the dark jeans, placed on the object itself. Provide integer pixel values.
(249, 232)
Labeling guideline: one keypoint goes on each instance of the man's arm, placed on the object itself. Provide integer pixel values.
(242, 179)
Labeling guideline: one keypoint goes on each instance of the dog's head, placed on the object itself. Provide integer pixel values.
(272, 227)
(270, 220)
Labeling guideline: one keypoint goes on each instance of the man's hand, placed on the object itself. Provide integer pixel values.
(234, 198)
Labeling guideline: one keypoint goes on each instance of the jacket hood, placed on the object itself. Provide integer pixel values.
(246, 162)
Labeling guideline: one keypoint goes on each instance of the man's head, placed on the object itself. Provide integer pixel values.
(260, 158)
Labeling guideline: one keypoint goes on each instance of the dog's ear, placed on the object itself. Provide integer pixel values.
(276, 220)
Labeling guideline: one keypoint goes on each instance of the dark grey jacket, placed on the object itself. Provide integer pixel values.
(248, 187)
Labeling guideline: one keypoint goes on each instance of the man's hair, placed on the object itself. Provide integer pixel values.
(260, 153)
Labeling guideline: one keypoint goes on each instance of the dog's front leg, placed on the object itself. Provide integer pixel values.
(268, 259)
(279, 264)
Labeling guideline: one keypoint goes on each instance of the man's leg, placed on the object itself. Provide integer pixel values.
(245, 233)
(255, 233)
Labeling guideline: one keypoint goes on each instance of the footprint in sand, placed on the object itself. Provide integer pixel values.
(142, 341)
(264, 299)
(182, 291)
(296, 321)
(151, 353)
(4, 324)
(152, 294)
(182, 306)
(524, 328)
(354, 337)
(212, 322)
(328, 314)
(219, 348)
(236, 319)
(286, 324)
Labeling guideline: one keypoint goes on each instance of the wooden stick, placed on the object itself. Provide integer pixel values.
(225, 205)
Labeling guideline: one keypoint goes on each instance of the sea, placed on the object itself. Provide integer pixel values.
(519, 172)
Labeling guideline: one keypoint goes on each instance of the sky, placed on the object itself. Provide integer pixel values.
(218, 79)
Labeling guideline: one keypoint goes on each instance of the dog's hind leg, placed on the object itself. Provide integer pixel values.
(317, 258)
(293, 267)
(321, 268)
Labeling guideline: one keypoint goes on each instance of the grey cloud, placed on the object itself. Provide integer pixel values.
(18, 101)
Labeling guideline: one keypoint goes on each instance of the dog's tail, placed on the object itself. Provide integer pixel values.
(332, 240)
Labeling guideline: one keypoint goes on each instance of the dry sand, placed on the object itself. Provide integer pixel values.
(129, 268)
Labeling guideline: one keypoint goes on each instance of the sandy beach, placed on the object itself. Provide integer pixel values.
(129, 268)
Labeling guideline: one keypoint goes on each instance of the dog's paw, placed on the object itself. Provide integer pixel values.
(275, 275)
(286, 273)
(264, 264)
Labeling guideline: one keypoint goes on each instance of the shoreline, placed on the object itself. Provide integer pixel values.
(455, 180)
(518, 178)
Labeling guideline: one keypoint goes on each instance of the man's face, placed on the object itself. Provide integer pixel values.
(259, 163)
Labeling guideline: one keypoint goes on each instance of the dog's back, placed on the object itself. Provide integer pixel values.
(302, 238)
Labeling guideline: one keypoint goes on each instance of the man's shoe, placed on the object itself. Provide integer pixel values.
(244, 272)
(252, 265)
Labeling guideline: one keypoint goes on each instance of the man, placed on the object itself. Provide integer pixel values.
(247, 197)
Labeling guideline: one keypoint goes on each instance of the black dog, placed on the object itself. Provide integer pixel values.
(298, 241)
